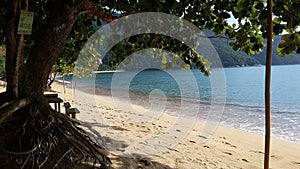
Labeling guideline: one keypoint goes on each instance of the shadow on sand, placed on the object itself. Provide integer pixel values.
(130, 161)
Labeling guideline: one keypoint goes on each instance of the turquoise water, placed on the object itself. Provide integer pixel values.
(192, 92)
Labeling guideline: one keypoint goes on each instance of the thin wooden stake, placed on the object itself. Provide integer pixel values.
(268, 86)
(64, 87)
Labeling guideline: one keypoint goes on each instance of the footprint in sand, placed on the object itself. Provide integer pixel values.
(276, 157)
(229, 153)
(192, 141)
(255, 151)
(227, 143)
(295, 162)
(206, 146)
(231, 145)
(245, 160)
(203, 137)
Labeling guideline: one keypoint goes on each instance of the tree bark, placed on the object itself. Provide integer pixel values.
(48, 47)
(30, 78)
(50, 43)
(11, 49)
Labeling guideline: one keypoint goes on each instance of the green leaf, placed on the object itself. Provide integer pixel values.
(164, 60)
(276, 20)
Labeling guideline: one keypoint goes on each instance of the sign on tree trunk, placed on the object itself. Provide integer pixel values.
(25, 22)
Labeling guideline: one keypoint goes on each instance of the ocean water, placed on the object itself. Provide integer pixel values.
(190, 94)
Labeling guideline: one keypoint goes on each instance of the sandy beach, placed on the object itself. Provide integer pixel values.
(137, 138)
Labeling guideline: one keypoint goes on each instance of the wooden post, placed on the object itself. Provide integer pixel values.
(64, 84)
(268, 86)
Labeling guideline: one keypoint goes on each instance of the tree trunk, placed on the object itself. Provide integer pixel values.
(47, 48)
(11, 49)
(32, 130)
(29, 79)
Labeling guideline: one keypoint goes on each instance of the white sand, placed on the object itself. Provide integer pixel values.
(170, 142)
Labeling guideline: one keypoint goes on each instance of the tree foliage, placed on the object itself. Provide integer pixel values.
(248, 33)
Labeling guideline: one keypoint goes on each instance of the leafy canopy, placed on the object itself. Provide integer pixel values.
(248, 32)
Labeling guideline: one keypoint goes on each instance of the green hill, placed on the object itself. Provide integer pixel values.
(277, 60)
(231, 58)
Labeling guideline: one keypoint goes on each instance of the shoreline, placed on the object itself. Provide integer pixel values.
(108, 71)
(227, 147)
(140, 99)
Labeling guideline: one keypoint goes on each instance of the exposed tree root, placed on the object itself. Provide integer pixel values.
(30, 138)
(11, 107)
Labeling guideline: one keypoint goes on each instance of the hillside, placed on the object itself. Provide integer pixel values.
(231, 58)
(277, 60)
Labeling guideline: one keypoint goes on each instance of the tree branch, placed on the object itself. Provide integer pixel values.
(92, 9)
(217, 36)
(9, 110)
